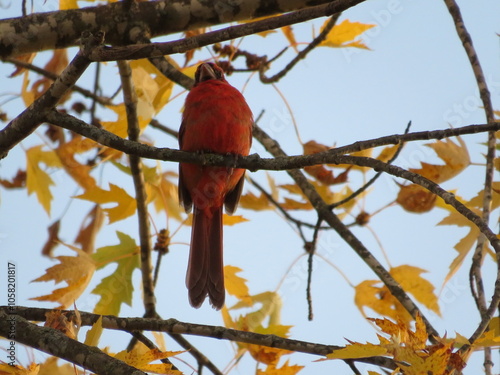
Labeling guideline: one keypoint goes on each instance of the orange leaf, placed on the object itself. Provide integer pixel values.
(57, 319)
(87, 234)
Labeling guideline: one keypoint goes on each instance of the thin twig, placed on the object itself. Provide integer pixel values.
(302, 54)
(374, 178)
(130, 99)
(475, 275)
(87, 93)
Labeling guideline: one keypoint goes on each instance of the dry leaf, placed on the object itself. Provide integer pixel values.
(415, 198)
(53, 239)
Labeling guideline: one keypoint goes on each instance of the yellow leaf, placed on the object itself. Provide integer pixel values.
(456, 158)
(76, 271)
(286, 369)
(387, 153)
(488, 339)
(27, 95)
(290, 36)
(68, 4)
(37, 180)
(236, 285)
(126, 205)
(233, 219)
(94, 334)
(7, 369)
(465, 244)
(50, 367)
(164, 195)
(257, 203)
(410, 279)
(116, 288)
(344, 34)
(357, 350)
(141, 360)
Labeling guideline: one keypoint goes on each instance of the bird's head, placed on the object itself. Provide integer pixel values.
(208, 71)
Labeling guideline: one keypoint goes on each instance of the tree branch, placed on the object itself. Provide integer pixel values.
(56, 343)
(157, 17)
(130, 100)
(177, 327)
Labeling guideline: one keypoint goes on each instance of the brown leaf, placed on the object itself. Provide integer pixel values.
(414, 198)
(87, 234)
(18, 181)
(320, 172)
(57, 319)
(53, 239)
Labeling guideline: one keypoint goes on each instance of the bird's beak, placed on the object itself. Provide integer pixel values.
(207, 72)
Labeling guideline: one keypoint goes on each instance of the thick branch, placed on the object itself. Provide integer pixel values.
(54, 342)
(61, 29)
(152, 50)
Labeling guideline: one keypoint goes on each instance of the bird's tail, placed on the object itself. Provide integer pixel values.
(205, 274)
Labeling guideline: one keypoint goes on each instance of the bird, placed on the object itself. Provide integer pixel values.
(216, 119)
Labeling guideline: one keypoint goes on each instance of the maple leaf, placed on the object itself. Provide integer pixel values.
(37, 180)
(467, 242)
(79, 172)
(116, 288)
(456, 158)
(50, 367)
(376, 296)
(141, 358)
(357, 350)
(236, 285)
(76, 271)
(53, 239)
(57, 319)
(7, 369)
(164, 195)
(253, 202)
(344, 34)
(126, 205)
(286, 369)
(18, 181)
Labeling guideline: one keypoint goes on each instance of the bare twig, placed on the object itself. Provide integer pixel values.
(476, 280)
(130, 99)
(87, 93)
(302, 54)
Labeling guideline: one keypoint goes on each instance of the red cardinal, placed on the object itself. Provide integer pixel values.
(216, 119)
